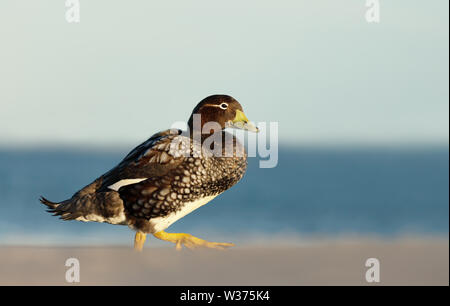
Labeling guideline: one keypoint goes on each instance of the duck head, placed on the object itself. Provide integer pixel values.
(224, 110)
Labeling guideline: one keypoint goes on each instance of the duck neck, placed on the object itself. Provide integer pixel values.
(197, 135)
(197, 129)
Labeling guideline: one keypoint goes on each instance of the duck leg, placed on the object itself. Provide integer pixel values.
(139, 241)
(190, 241)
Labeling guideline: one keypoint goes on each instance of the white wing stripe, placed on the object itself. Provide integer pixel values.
(125, 182)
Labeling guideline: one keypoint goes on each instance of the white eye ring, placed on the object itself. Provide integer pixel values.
(223, 106)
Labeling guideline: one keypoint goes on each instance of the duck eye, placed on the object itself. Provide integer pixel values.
(223, 106)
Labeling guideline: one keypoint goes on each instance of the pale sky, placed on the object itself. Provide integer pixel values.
(132, 68)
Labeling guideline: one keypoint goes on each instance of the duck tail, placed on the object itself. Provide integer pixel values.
(62, 209)
(89, 204)
(51, 205)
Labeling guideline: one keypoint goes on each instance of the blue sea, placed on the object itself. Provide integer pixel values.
(312, 192)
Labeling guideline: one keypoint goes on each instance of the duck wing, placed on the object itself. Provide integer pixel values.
(152, 158)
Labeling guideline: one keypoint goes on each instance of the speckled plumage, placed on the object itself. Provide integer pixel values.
(167, 172)
(191, 179)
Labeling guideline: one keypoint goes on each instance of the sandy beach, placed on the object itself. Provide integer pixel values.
(338, 262)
